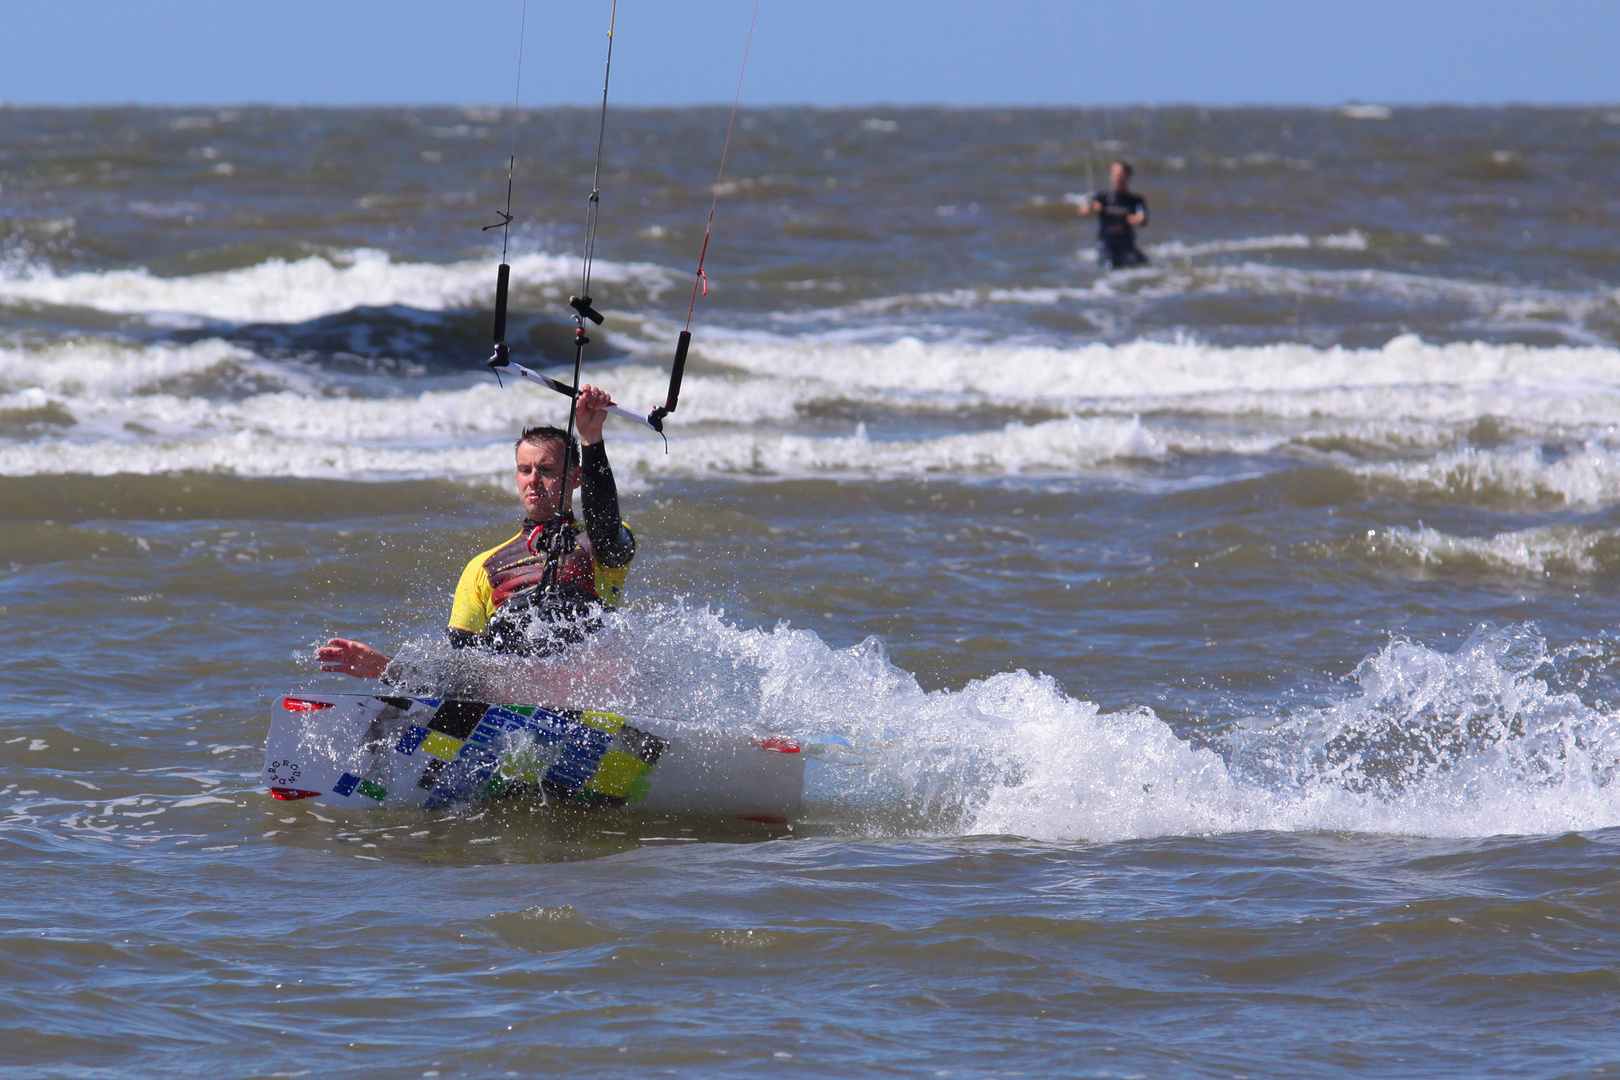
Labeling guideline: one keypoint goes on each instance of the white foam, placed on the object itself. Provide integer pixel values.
(251, 454)
(95, 370)
(264, 443)
(1588, 476)
(1544, 551)
(279, 291)
(774, 378)
(112, 390)
(1143, 375)
(1469, 742)
(95, 403)
(1427, 742)
(1354, 240)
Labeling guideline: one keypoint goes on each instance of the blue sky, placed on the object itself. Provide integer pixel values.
(824, 52)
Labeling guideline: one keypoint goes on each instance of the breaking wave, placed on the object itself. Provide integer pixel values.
(1407, 373)
(1515, 425)
(1587, 475)
(279, 291)
(98, 407)
(1547, 551)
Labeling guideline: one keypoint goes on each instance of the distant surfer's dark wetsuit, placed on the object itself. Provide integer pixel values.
(525, 597)
(1116, 237)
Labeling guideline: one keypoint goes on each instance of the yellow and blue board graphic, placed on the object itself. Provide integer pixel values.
(363, 751)
(471, 750)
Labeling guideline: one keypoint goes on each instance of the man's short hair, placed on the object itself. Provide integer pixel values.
(544, 434)
(1122, 163)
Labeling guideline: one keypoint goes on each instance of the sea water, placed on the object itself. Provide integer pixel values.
(1206, 670)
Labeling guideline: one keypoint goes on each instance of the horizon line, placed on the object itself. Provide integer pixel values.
(1387, 103)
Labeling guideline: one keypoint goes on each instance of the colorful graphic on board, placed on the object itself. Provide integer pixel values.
(352, 750)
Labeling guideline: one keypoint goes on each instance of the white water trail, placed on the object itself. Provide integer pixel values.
(1494, 737)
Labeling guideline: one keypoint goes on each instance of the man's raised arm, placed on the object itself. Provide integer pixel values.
(612, 543)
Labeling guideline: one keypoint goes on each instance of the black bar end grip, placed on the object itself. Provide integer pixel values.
(502, 277)
(682, 343)
(582, 304)
(656, 417)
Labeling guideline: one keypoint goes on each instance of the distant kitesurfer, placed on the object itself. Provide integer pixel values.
(1119, 212)
(543, 589)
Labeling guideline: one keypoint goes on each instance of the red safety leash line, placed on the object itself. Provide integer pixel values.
(702, 280)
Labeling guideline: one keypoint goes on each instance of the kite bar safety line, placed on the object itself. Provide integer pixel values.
(558, 536)
(503, 275)
(582, 305)
(655, 419)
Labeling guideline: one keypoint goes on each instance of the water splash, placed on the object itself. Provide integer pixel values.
(1498, 736)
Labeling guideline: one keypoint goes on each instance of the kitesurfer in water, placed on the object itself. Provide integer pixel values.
(539, 591)
(1119, 213)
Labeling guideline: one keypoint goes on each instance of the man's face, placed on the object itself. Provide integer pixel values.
(539, 478)
(1119, 176)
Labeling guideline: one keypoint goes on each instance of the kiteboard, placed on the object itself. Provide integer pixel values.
(358, 750)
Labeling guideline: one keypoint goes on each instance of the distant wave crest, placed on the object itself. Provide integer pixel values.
(283, 291)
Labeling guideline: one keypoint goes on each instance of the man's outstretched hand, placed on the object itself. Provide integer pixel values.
(352, 658)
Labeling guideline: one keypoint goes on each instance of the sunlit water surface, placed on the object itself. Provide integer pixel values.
(1211, 667)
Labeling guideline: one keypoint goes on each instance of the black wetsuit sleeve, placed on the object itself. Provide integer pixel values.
(463, 639)
(599, 497)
